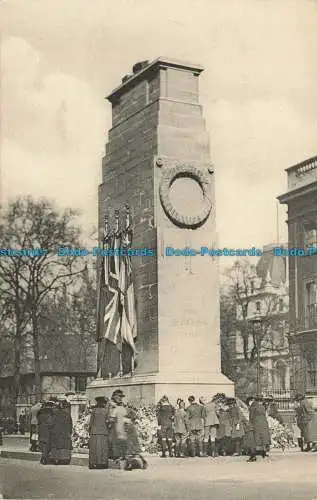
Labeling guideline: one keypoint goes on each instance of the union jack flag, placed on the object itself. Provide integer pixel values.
(116, 290)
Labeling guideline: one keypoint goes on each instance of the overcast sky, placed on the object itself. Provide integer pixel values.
(259, 91)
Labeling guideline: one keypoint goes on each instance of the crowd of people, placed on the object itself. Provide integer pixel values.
(221, 426)
(216, 427)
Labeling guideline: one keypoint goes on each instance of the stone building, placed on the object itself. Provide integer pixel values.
(66, 366)
(268, 299)
(302, 234)
(257, 291)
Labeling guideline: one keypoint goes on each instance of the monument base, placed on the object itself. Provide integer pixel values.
(148, 389)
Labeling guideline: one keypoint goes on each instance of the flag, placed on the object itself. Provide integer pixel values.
(128, 313)
(112, 317)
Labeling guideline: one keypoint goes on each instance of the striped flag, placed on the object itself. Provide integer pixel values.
(128, 315)
(112, 318)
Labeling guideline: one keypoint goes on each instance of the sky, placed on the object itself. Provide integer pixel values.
(59, 59)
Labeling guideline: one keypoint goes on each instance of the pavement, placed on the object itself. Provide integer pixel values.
(289, 476)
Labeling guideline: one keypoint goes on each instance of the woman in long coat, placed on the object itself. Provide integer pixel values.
(259, 433)
(61, 435)
(98, 432)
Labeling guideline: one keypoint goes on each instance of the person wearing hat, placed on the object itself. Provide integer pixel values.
(259, 427)
(61, 434)
(118, 420)
(223, 433)
(98, 434)
(196, 427)
(238, 426)
(180, 428)
(165, 416)
(307, 422)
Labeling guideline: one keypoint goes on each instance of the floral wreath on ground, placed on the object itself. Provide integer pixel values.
(146, 425)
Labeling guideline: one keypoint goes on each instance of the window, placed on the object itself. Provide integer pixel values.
(280, 304)
(310, 234)
(312, 373)
(258, 306)
(252, 286)
(80, 383)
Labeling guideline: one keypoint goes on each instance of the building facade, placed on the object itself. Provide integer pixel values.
(302, 233)
(267, 299)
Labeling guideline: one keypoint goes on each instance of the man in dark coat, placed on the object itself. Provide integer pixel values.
(165, 415)
(45, 422)
(61, 434)
(306, 421)
(196, 426)
(259, 427)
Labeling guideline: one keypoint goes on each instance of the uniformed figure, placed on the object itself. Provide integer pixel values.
(180, 428)
(196, 427)
(211, 422)
(165, 415)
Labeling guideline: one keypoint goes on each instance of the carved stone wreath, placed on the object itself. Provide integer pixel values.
(189, 171)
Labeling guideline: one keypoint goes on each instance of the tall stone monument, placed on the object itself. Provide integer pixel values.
(158, 161)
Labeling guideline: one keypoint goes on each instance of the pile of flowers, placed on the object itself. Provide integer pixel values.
(146, 424)
(281, 436)
(80, 437)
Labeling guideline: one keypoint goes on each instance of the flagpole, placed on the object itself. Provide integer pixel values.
(129, 237)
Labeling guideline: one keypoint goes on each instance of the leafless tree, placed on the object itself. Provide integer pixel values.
(27, 280)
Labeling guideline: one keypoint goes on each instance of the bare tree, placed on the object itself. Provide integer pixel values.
(26, 279)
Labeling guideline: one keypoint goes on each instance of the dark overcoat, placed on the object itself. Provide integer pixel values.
(237, 422)
(45, 423)
(98, 441)
(307, 421)
(258, 424)
(61, 433)
(195, 417)
(224, 429)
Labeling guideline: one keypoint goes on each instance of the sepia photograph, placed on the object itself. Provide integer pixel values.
(158, 249)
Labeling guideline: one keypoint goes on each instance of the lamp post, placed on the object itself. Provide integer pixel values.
(257, 323)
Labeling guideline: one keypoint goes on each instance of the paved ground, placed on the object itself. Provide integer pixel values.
(282, 477)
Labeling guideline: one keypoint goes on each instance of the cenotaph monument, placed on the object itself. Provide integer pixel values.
(158, 162)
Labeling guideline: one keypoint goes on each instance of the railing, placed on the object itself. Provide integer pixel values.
(304, 167)
(311, 316)
(284, 398)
